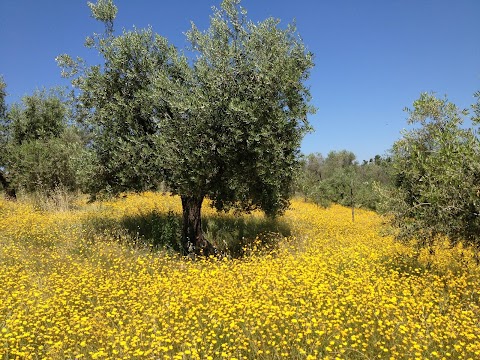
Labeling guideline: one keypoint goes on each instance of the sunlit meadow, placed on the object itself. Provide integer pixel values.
(332, 289)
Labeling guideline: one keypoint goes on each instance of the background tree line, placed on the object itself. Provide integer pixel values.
(339, 178)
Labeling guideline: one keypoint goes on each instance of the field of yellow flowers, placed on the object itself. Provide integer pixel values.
(333, 289)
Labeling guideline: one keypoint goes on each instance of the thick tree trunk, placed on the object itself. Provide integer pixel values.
(192, 235)
(9, 191)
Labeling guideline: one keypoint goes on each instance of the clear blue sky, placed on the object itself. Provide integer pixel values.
(373, 57)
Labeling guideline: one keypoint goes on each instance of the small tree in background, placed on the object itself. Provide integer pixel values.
(5, 181)
(338, 178)
(39, 144)
(327, 180)
(309, 179)
(339, 173)
(226, 125)
(437, 173)
(369, 176)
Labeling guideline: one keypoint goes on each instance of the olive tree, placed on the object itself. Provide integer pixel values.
(436, 168)
(40, 144)
(225, 124)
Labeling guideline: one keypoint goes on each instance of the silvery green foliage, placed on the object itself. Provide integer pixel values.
(242, 114)
(476, 109)
(437, 174)
(40, 143)
(105, 11)
(118, 100)
(226, 123)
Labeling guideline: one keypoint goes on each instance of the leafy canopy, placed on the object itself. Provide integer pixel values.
(40, 143)
(437, 173)
(241, 113)
(225, 124)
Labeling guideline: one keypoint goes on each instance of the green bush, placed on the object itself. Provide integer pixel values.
(436, 168)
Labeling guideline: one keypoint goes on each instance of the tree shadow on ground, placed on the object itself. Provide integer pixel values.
(232, 235)
(238, 235)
